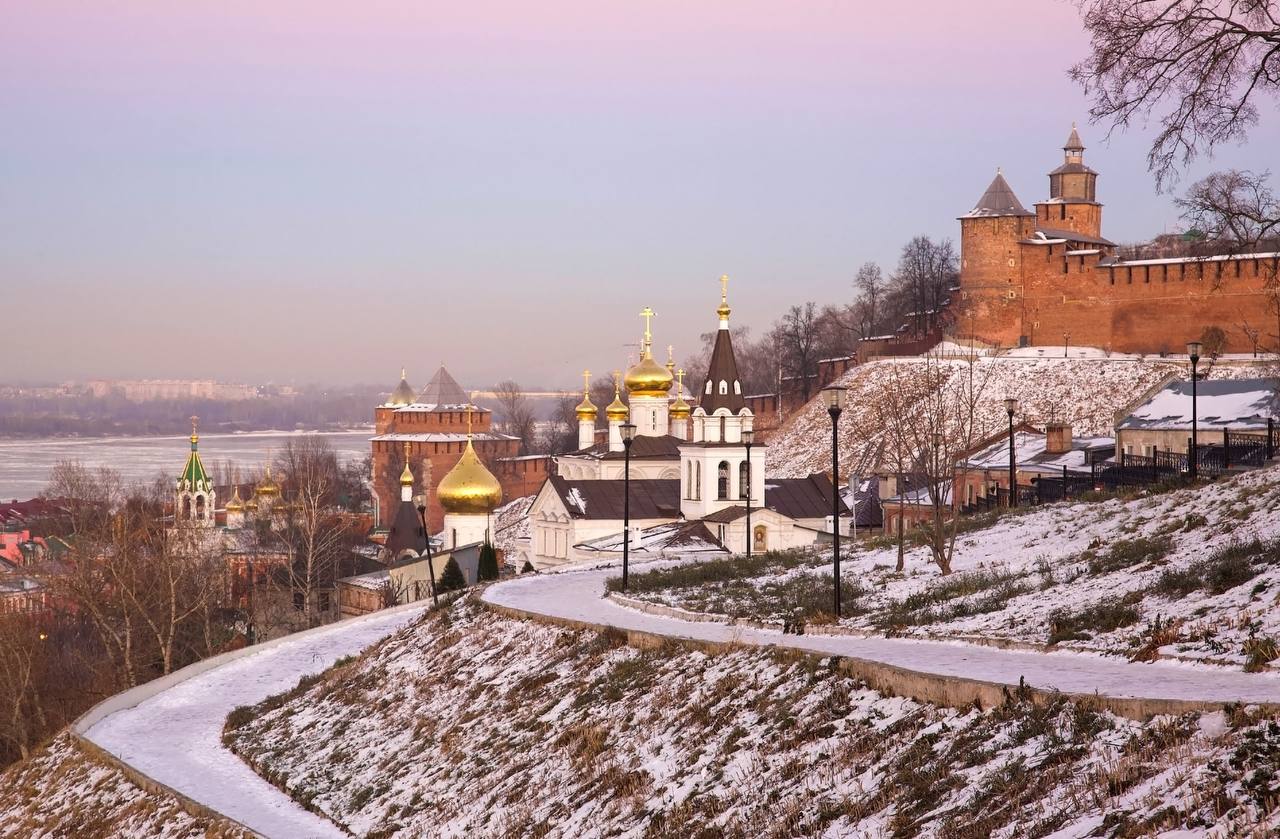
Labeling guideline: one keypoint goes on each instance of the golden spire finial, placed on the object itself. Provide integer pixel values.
(586, 382)
(723, 310)
(403, 372)
(195, 422)
(469, 409)
(680, 379)
(406, 476)
(617, 374)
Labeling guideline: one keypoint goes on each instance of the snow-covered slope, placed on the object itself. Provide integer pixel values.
(1190, 574)
(469, 724)
(62, 792)
(1085, 392)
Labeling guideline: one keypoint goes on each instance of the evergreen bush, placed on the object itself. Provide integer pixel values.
(452, 579)
(488, 568)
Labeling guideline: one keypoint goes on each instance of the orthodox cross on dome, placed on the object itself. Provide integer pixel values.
(680, 381)
(195, 422)
(648, 315)
(470, 408)
(617, 377)
(724, 288)
(586, 382)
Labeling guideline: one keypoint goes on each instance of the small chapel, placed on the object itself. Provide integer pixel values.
(694, 471)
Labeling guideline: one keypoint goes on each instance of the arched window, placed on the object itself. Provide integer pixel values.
(186, 506)
(200, 507)
(688, 483)
(724, 387)
(744, 480)
(697, 480)
(722, 429)
(722, 480)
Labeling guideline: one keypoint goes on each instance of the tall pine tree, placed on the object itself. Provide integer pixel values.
(452, 579)
(488, 569)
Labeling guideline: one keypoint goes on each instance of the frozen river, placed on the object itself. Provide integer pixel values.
(25, 464)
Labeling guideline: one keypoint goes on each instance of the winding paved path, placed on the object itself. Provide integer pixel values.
(175, 736)
(578, 596)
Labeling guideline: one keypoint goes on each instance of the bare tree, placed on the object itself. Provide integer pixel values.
(923, 279)
(796, 337)
(308, 527)
(515, 413)
(1204, 64)
(869, 288)
(1235, 209)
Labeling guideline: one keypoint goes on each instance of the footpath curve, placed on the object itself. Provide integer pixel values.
(946, 673)
(166, 735)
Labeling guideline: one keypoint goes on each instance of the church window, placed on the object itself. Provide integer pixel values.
(186, 506)
(697, 481)
(722, 481)
(722, 429)
(737, 386)
(744, 480)
(688, 483)
(1062, 211)
(200, 507)
(708, 388)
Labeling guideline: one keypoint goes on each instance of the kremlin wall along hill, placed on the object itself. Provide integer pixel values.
(1032, 277)
(1026, 278)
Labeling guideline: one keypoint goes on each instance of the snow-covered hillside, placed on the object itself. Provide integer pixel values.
(1085, 392)
(62, 792)
(1191, 574)
(470, 724)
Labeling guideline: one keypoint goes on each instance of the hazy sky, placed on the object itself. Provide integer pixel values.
(322, 191)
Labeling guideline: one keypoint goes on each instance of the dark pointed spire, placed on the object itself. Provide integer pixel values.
(1073, 142)
(999, 200)
(443, 389)
(723, 388)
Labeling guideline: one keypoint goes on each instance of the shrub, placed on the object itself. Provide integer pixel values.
(1129, 552)
(1259, 652)
(488, 567)
(1223, 570)
(1102, 617)
(711, 571)
(452, 579)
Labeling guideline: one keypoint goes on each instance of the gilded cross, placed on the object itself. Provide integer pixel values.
(195, 421)
(586, 382)
(617, 374)
(724, 288)
(648, 315)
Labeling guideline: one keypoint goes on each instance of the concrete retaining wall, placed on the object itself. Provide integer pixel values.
(137, 695)
(888, 679)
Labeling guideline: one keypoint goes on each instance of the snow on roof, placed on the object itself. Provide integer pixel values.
(1220, 403)
(576, 499)
(438, 437)
(679, 537)
(1029, 451)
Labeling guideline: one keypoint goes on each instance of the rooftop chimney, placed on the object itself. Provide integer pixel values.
(1057, 437)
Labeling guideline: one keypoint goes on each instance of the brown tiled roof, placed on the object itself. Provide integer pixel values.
(665, 447)
(726, 515)
(999, 200)
(650, 499)
(723, 368)
(406, 531)
(1074, 142)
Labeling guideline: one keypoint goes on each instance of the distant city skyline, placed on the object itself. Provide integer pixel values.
(326, 192)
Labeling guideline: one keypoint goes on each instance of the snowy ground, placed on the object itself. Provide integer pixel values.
(62, 792)
(472, 725)
(1033, 572)
(175, 737)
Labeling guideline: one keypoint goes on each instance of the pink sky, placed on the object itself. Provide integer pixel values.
(302, 185)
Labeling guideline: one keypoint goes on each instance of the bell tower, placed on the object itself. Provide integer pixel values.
(1073, 194)
(195, 497)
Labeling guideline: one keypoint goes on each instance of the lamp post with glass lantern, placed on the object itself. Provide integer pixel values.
(1011, 408)
(835, 397)
(628, 430)
(420, 501)
(748, 438)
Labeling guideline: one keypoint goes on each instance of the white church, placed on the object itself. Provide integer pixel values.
(691, 479)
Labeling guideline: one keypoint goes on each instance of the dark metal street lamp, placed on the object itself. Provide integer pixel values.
(835, 397)
(420, 501)
(1193, 351)
(748, 438)
(628, 430)
(1011, 408)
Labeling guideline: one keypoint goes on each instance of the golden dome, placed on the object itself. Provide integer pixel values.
(406, 477)
(723, 309)
(251, 506)
(586, 411)
(648, 378)
(235, 505)
(616, 412)
(267, 486)
(403, 394)
(469, 487)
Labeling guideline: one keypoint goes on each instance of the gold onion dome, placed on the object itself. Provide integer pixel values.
(403, 394)
(235, 505)
(616, 412)
(267, 486)
(469, 487)
(586, 411)
(680, 409)
(648, 378)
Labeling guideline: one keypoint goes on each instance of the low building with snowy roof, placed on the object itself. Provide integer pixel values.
(1161, 421)
(982, 475)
